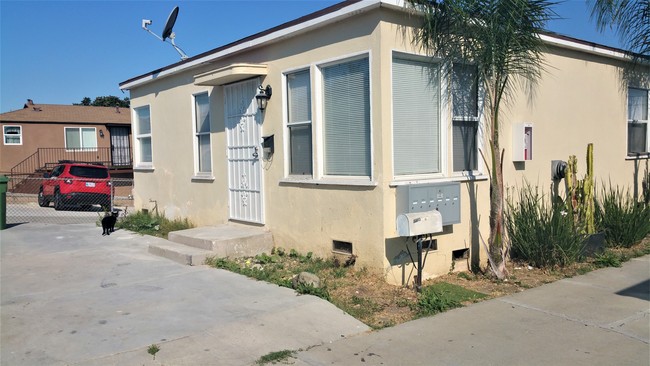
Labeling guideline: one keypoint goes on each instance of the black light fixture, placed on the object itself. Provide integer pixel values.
(263, 97)
(101, 133)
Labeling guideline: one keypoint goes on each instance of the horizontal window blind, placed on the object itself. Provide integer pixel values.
(346, 114)
(416, 117)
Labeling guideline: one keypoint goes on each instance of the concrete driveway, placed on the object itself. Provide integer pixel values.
(72, 297)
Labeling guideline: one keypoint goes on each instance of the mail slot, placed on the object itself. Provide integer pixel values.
(419, 223)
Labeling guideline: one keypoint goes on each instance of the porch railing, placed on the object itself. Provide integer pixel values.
(46, 158)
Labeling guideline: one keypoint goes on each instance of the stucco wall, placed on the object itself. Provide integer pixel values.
(579, 100)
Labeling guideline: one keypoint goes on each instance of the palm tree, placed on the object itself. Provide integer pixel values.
(629, 18)
(500, 37)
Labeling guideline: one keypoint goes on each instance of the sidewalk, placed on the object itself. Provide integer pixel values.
(601, 318)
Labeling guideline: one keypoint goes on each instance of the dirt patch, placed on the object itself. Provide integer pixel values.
(369, 298)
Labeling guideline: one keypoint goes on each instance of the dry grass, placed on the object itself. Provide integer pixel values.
(368, 297)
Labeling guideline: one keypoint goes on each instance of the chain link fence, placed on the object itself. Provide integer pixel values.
(66, 201)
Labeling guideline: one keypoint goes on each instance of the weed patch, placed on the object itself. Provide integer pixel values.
(155, 225)
(443, 296)
(275, 357)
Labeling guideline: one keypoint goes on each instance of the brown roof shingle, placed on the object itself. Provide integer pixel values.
(55, 113)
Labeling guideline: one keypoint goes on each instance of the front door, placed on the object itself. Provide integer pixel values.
(243, 131)
(120, 146)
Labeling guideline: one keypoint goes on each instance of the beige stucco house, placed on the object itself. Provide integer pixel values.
(360, 127)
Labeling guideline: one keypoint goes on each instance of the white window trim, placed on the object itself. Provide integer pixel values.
(139, 165)
(195, 143)
(480, 137)
(318, 120)
(646, 122)
(83, 149)
(5, 135)
(285, 118)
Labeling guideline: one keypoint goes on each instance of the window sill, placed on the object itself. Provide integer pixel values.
(455, 178)
(329, 182)
(202, 178)
(143, 169)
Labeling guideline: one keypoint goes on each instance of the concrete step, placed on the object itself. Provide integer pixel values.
(192, 246)
(180, 253)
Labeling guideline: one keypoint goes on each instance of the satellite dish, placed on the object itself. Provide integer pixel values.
(167, 31)
(171, 20)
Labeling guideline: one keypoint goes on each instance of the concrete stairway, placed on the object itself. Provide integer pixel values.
(193, 246)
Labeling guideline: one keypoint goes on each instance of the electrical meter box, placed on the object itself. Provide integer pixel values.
(419, 223)
(441, 197)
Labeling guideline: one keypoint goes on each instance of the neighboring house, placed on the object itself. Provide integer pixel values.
(39, 135)
(358, 119)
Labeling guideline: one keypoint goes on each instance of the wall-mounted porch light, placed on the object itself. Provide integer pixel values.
(101, 133)
(263, 97)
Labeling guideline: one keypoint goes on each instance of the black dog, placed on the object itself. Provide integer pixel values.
(108, 223)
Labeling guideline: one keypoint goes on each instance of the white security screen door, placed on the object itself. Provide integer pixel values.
(243, 132)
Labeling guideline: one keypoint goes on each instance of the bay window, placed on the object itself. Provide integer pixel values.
(465, 122)
(346, 118)
(416, 117)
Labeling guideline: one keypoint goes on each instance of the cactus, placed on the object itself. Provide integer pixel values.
(580, 193)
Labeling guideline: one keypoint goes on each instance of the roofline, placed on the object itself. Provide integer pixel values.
(329, 15)
(303, 24)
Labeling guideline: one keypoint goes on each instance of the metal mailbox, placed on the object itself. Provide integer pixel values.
(419, 223)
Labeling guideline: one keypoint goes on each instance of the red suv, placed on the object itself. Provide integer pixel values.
(79, 184)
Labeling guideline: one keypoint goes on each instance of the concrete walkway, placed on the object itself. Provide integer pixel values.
(72, 297)
(601, 318)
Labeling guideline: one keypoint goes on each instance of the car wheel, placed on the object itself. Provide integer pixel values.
(58, 201)
(42, 201)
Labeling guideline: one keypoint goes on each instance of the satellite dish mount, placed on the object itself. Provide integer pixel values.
(167, 31)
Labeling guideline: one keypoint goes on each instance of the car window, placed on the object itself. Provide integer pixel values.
(57, 171)
(88, 172)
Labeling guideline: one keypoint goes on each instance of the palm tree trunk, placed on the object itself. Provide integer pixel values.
(497, 252)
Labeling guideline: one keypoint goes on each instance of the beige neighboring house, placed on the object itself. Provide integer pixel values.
(361, 128)
(39, 135)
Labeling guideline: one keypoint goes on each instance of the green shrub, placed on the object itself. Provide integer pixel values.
(624, 221)
(540, 233)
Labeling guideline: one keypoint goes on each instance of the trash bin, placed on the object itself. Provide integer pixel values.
(3, 202)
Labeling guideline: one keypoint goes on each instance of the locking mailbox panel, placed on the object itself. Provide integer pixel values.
(442, 197)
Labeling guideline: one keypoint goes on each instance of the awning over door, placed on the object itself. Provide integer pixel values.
(229, 74)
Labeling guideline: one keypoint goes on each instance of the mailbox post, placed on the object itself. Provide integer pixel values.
(416, 225)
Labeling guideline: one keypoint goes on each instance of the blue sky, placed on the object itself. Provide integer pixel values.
(58, 52)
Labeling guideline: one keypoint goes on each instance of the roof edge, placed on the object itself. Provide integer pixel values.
(332, 14)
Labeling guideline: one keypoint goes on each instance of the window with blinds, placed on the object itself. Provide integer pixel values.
(299, 122)
(202, 133)
(416, 117)
(464, 87)
(637, 121)
(346, 118)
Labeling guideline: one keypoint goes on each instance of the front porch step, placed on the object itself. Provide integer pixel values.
(193, 246)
